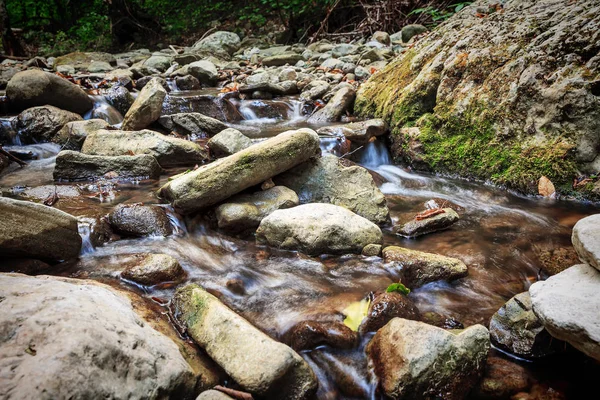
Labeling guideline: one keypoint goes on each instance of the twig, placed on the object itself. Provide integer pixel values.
(206, 33)
(316, 35)
(12, 157)
(236, 394)
(16, 58)
(351, 152)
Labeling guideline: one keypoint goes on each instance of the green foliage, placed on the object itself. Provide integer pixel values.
(440, 14)
(398, 287)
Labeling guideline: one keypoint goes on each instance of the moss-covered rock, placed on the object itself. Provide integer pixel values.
(507, 97)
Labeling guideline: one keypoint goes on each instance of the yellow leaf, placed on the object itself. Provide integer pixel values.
(355, 313)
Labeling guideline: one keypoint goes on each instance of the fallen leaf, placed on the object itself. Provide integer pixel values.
(355, 313)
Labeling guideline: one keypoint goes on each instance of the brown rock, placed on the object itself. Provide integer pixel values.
(310, 334)
(387, 306)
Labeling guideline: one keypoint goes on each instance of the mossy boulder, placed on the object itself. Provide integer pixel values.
(507, 97)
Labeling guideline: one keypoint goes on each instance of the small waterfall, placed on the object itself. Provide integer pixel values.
(84, 225)
(374, 154)
(172, 86)
(103, 110)
(8, 132)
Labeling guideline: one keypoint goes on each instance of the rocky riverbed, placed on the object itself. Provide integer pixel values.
(194, 219)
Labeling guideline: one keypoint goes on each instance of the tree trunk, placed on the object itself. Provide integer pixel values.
(11, 45)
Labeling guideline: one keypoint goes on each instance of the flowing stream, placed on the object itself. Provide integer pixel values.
(502, 237)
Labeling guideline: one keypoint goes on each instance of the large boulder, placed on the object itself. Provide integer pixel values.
(37, 231)
(259, 364)
(215, 182)
(414, 360)
(508, 113)
(42, 124)
(146, 108)
(245, 211)
(192, 124)
(82, 60)
(516, 328)
(89, 329)
(318, 229)
(167, 150)
(586, 240)
(568, 306)
(341, 102)
(327, 180)
(37, 88)
(221, 43)
(72, 135)
(418, 268)
(140, 220)
(76, 166)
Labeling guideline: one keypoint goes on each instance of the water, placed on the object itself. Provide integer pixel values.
(103, 110)
(502, 237)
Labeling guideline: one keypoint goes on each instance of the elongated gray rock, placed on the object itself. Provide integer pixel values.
(76, 166)
(93, 331)
(38, 88)
(72, 135)
(428, 225)
(414, 360)
(568, 305)
(167, 150)
(586, 240)
(339, 103)
(326, 180)
(245, 211)
(215, 182)
(146, 108)
(418, 268)
(192, 124)
(259, 364)
(37, 231)
(358, 132)
(318, 229)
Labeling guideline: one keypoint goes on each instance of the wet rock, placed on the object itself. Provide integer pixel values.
(341, 102)
(435, 223)
(187, 82)
(517, 329)
(204, 71)
(385, 307)
(382, 37)
(72, 135)
(215, 182)
(222, 43)
(358, 132)
(418, 268)
(24, 265)
(282, 59)
(140, 220)
(586, 240)
(441, 321)
(267, 88)
(213, 395)
(326, 180)
(243, 212)
(146, 108)
(555, 259)
(567, 304)
(81, 60)
(192, 124)
(414, 360)
(409, 31)
(151, 269)
(120, 98)
(79, 325)
(228, 142)
(307, 335)
(168, 151)
(259, 364)
(76, 166)
(318, 229)
(34, 230)
(41, 193)
(37, 88)
(372, 250)
(217, 107)
(158, 62)
(143, 81)
(501, 380)
(41, 124)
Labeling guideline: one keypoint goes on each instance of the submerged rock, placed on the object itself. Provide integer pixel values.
(516, 328)
(72, 135)
(246, 211)
(259, 364)
(307, 335)
(414, 360)
(335, 108)
(167, 150)
(151, 269)
(586, 240)
(215, 182)
(418, 268)
(37, 231)
(84, 326)
(41, 124)
(140, 220)
(501, 380)
(385, 307)
(568, 306)
(37, 88)
(435, 223)
(146, 108)
(228, 142)
(318, 229)
(75, 166)
(326, 180)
